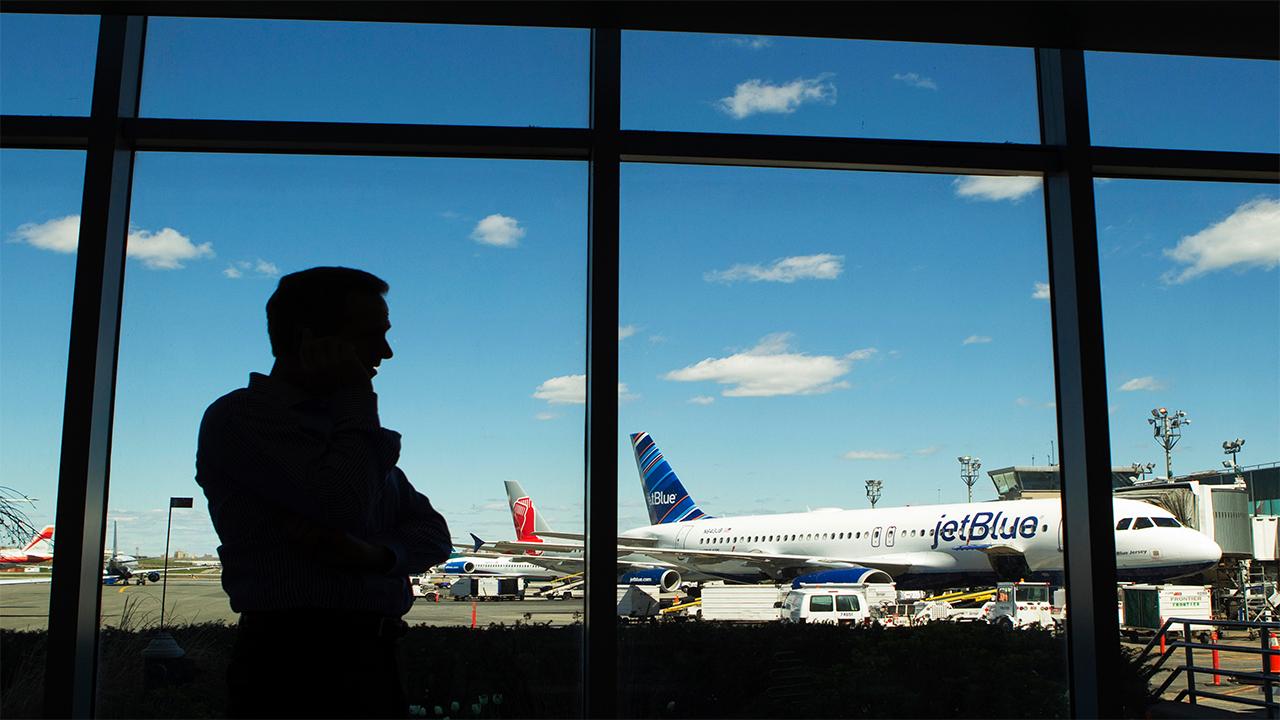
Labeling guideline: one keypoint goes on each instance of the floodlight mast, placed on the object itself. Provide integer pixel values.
(969, 471)
(1167, 427)
(1231, 447)
(873, 491)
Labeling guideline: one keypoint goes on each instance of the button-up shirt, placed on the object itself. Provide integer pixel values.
(270, 452)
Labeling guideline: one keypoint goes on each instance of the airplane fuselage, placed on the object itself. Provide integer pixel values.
(934, 546)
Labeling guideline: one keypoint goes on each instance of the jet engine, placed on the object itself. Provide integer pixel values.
(666, 580)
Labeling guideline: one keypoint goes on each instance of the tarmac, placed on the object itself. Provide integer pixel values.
(196, 599)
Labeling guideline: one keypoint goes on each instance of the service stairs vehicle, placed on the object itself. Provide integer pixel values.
(563, 588)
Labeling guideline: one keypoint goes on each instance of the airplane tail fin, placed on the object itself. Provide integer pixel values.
(526, 518)
(667, 499)
(42, 543)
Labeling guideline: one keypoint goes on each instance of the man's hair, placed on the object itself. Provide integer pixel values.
(315, 298)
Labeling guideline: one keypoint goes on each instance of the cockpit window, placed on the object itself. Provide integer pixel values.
(1166, 522)
(1141, 523)
(1124, 524)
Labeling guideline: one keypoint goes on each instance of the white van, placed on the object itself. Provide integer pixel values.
(836, 605)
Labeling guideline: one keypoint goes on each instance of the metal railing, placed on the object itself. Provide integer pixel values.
(1268, 653)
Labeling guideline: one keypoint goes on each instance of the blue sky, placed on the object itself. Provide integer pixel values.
(784, 335)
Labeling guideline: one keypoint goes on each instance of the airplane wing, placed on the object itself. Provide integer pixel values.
(24, 581)
(579, 539)
(780, 565)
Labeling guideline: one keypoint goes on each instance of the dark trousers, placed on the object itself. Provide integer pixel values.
(315, 664)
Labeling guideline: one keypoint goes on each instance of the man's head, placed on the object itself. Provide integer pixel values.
(330, 302)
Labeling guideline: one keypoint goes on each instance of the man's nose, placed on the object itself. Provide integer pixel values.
(386, 352)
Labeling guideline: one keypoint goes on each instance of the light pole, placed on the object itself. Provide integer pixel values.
(163, 646)
(1231, 447)
(969, 472)
(1168, 430)
(873, 491)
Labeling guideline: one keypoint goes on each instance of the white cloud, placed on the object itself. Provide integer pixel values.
(164, 250)
(548, 416)
(563, 390)
(1042, 291)
(702, 400)
(1025, 402)
(915, 80)
(1249, 237)
(767, 370)
(498, 230)
(996, 187)
(818, 267)
(928, 451)
(754, 43)
(976, 339)
(59, 235)
(862, 354)
(871, 455)
(262, 269)
(626, 332)
(571, 389)
(755, 96)
(1142, 383)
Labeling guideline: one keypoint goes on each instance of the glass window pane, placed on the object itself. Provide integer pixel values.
(39, 217)
(1189, 300)
(486, 261)
(843, 88)
(1185, 103)
(788, 335)
(46, 63)
(365, 72)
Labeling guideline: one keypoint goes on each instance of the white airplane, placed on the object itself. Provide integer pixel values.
(920, 547)
(39, 550)
(123, 568)
(492, 563)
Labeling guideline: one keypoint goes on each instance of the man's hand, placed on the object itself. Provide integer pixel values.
(330, 545)
(330, 364)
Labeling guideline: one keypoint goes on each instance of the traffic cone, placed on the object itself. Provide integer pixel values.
(1273, 661)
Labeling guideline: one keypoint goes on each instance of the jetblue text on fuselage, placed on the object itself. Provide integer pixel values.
(985, 525)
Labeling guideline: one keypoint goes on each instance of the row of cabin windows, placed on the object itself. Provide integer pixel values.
(1162, 522)
(801, 537)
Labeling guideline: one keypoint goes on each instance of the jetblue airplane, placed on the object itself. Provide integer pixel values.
(929, 546)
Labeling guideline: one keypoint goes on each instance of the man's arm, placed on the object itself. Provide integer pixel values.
(420, 537)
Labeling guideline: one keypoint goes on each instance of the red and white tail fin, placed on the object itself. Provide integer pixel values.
(42, 543)
(527, 521)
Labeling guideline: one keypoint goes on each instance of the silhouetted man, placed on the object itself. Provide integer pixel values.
(319, 528)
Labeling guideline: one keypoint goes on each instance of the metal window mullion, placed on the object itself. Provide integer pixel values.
(600, 641)
(1083, 429)
(83, 476)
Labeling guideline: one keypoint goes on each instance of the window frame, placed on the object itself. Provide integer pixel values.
(1060, 32)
